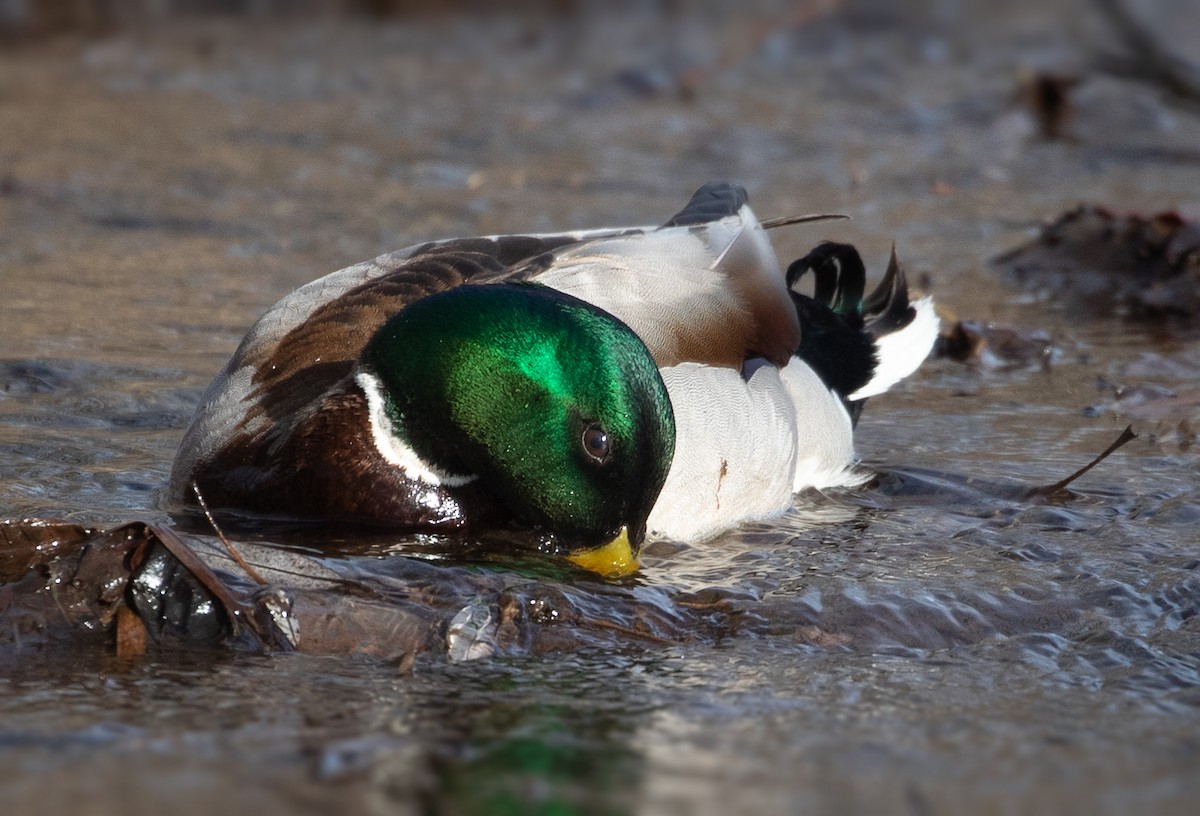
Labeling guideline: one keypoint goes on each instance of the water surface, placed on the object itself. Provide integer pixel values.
(936, 642)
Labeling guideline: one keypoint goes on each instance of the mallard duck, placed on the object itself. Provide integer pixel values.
(596, 386)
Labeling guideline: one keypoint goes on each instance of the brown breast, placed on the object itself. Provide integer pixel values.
(327, 466)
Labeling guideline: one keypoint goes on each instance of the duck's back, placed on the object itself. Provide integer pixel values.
(705, 287)
(758, 416)
(309, 342)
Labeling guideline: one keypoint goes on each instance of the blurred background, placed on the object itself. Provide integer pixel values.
(208, 142)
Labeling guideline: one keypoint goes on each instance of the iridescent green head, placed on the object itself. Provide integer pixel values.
(555, 406)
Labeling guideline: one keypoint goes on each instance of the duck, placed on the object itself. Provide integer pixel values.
(596, 387)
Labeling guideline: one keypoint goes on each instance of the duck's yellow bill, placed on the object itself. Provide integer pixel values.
(612, 560)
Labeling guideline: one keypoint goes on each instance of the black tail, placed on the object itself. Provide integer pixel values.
(832, 340)
(887, 309)
(838, 325)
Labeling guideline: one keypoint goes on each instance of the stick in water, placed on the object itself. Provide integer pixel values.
(1050, 490)
(241, 562)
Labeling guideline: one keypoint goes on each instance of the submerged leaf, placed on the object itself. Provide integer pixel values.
(147, 587)
(994, 346)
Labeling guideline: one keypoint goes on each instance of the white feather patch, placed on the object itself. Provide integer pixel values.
(734, 451)
(745, 442)
(824, 434)
(392, 448)
(678, 287)
(902, 352)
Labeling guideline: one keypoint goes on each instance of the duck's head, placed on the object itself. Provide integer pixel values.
(555, 407)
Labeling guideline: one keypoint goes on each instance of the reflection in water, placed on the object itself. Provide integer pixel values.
(553, 738)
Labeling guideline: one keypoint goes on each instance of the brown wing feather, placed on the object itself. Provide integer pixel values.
(770, 327)
(321, 351)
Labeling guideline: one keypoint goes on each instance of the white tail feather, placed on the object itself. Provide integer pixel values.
(901, 352)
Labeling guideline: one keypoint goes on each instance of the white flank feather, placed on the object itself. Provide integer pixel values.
(746, 443)
(824, 433)
(734, 451)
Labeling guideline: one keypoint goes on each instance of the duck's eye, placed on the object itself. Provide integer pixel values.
(596, 443)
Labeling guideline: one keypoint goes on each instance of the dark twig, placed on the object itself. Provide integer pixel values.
(1049, 490)
(234, 554)
(787, 220)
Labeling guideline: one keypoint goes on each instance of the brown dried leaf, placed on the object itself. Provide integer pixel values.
(29, 543)
(1146, 268)
(994, 346)
(145, 587)
(132, 636)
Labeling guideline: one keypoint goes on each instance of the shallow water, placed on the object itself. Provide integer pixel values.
(935, 642)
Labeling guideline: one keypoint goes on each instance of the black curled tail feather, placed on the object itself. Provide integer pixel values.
(887, 309)
(839, 326)
(832, 340)
(839, 273)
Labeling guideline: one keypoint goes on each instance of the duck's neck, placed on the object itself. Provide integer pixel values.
(393, 436)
